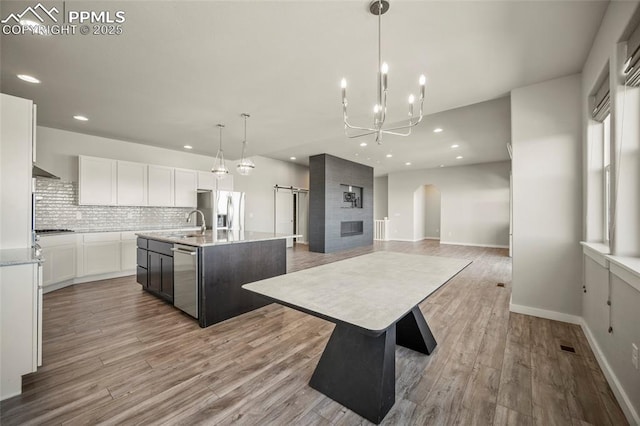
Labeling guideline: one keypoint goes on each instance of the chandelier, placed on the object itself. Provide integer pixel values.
(219, 168)
(379, 7)
(246, 165)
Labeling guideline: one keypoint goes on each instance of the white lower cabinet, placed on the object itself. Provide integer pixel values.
(83, 257)
(128, 251)
(20, 310)
(60, 254)
(101, 253)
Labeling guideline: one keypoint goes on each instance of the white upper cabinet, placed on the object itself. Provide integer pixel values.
(206, 180)
(185, 184)
(97, 181)
(160, 186)
(102, 181)
(132, 184)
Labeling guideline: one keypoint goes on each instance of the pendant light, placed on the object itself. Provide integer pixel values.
(219, 168)
(246, 165)
(378, 8)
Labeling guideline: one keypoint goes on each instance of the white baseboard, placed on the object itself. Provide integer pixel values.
(622, 397)
(450, 243)
(473, 244)
(544, 313)
(80, 280)
(616, 387)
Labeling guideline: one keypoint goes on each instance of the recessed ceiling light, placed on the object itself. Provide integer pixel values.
(28, 78)
(80, 118)
(363, 144)
(441, 165)
(356, 154)
(407, 163)
(455, 146)
(187, 147)
(459, 157)
(292, 158)
(389, 155)
(437, 130)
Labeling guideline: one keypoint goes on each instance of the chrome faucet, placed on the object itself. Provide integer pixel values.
(204, 225)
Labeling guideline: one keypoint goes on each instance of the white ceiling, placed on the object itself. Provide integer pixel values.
(181, 67)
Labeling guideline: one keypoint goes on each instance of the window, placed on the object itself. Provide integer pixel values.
(600, 161)
(606, 167)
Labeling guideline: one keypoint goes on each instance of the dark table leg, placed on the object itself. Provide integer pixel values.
(413, 332)
(358, 371)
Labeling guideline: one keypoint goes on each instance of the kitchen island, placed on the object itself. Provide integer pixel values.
(203, 274)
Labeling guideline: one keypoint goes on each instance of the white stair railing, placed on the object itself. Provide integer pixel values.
(381, 230)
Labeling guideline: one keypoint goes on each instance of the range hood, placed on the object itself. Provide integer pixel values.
(38, 172)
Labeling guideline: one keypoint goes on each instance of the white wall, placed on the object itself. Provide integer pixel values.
(475, 203)
(259, 189)
(431, 212)
(58, 150)
(380, 197)
(613, 349)
(418, 213)
(547, 199)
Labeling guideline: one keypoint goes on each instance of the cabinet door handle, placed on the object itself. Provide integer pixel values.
(183, 251)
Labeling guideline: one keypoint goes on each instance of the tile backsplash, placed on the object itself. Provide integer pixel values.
(57, 207)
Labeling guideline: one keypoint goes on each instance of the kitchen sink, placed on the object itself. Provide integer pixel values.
(183, 235)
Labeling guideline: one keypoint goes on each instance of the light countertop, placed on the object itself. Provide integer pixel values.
(124, 229)
(10, 257)
(212, 238)
(371, 292)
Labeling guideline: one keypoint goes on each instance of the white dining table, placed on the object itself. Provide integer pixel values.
(373, 300)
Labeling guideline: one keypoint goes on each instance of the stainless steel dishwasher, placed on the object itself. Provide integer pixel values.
(185, 279)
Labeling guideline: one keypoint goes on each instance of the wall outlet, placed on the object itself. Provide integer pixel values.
(634, 355)
(78, 215)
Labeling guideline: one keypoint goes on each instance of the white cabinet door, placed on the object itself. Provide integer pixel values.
(206, 180)
(160, 186)
(59, 264)
(19, 312)
(60, 256)
(132, 184)
(186, 182)
(225, 183)
(101, 258)
(101, 253)
(97, 181)
(128, 251)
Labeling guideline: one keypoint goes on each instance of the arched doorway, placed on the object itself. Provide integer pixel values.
(426, 213)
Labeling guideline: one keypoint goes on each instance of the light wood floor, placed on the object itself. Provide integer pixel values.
(116, 355)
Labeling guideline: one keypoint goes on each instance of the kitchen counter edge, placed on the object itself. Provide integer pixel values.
(208, 240)
(19, 256)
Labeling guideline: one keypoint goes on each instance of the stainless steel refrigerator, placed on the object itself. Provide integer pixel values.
(222, 209)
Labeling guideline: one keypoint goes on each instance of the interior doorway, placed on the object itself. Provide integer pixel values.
(291, 213)
(427, 208)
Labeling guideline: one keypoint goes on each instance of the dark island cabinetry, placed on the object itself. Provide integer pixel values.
(155, 267)
(203, 274)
